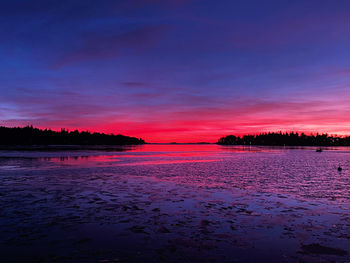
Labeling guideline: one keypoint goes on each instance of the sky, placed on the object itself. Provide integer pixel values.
(184, 70)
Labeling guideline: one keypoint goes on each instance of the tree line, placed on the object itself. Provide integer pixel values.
(288, 139)
(34, 136)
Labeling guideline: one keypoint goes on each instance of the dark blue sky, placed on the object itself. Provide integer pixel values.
(176, 70)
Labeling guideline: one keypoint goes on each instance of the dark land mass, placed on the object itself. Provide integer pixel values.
(288, 139)
(34, 136)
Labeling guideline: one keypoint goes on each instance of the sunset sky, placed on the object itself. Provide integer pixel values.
(176, 70)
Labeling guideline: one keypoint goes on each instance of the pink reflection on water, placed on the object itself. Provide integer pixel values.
(81, 160)
(169, 162)
(157, 154)
(190, 149)
(296, 171)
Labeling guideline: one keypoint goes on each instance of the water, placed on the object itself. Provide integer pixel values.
(169, 203)
(297, 171)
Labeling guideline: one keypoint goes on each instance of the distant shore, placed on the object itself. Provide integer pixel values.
(29, 136)
(285, 139)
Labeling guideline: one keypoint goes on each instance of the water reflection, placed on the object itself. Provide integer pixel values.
(293, 170)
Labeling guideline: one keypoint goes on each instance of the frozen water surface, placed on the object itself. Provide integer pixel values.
(175, 203)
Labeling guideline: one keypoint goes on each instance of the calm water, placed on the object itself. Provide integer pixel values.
(175, 203)
(297, 171)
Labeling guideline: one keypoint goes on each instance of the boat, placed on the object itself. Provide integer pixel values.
(319, 150)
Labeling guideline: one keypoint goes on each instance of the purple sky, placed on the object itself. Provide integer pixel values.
(176, 70)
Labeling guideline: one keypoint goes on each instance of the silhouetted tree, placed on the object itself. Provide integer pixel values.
(289, 139)
(33, 136)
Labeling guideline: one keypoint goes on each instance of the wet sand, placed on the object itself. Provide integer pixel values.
(90, 214)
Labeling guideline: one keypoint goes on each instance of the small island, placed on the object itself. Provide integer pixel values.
(33, 136)
(287, 139)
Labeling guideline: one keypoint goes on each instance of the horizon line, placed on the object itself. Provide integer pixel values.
(315, 133)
